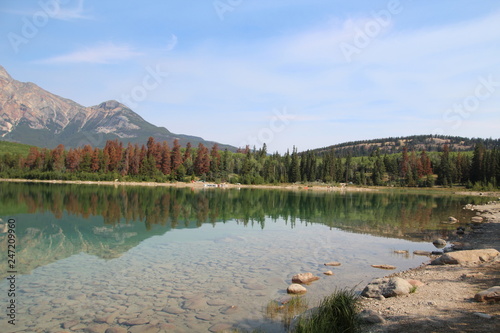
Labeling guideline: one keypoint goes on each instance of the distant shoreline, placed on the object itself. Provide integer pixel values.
(290, 187)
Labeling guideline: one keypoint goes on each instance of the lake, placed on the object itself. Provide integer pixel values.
(194, 260)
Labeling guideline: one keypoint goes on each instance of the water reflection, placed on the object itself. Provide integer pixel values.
(56, 221)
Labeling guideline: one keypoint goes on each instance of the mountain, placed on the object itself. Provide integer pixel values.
(32, 115)
(415, 142)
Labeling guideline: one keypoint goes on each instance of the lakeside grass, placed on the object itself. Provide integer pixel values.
(337, 313)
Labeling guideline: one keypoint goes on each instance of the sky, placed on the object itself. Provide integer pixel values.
(303, 73)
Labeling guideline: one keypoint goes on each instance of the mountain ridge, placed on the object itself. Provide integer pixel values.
(32, 115)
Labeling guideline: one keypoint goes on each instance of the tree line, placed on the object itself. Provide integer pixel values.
(157, 161)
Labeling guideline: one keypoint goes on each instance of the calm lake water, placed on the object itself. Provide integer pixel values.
(194, 260)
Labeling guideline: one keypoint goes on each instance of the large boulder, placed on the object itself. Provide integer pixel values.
(489, 295)
(304, 278)
(466, 257)
(387, 287)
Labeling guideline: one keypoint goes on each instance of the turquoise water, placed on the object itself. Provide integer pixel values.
(183, 260)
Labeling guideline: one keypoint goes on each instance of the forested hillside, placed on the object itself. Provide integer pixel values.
(394, 145)
(157, 161)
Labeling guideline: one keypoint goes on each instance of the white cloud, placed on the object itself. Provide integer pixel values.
(101, 54)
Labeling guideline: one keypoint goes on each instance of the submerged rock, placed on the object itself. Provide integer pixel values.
(387, 287)
(304, 278)
(328, 273)
(296, 289)
(333, 263)
(384, 266)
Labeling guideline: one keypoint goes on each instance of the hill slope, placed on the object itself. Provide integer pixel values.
(415, 142)
(32, 115)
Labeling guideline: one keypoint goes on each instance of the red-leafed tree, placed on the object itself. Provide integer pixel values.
(94, 166)
(202, 160)
(165, 166)
(33, 160)
(176, 158)
(72, 160)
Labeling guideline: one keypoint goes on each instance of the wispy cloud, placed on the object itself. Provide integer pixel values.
(100, 54)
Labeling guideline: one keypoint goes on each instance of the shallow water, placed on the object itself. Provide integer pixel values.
(194, 259)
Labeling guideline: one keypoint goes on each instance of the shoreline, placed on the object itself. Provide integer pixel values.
(198, 185)
(285, 186)
(445, 303)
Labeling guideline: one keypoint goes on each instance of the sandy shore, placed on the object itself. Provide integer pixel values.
(446, 302)
(292, 187)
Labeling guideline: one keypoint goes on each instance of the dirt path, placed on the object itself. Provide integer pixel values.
(446, 302)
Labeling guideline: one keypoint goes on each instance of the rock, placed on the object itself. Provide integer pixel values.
(116, 330)
(387, 287)
(401, 251)
(422, 253)
(69, 324)
(144, 329)
(173, 310)
(415, 283)
(384, 266)
(220, 327)
(466, 257)
(371, 317)
(96, 328)
(194, 304)
(489, 295)
(78, 327)
(439, 243)
(296, 288)
(230, 310)
(452, 219)
(476, 219)
(333, 263)
(136, 321)
(328, 273)
(304, 278)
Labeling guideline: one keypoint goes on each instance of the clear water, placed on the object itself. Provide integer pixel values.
(188, 261)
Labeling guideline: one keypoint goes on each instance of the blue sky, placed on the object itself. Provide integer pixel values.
(288, 73)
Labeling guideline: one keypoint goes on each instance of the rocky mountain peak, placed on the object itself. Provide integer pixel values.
(110, 105)
(4, 74)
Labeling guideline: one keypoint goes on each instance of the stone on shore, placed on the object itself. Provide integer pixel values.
(296, 289)
(466, 257)
(476, 219)
(304, 278)
(387, 287)
(489, 295)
